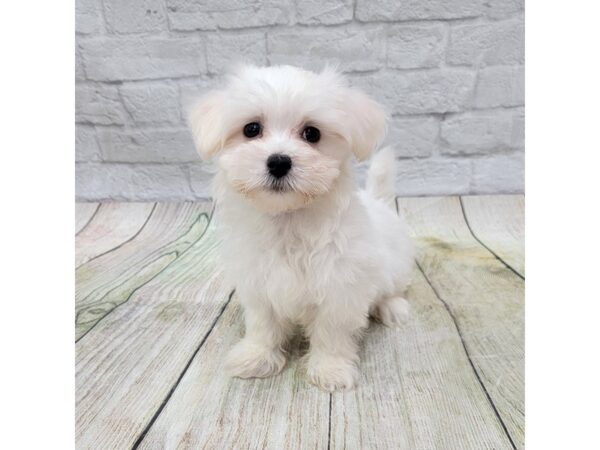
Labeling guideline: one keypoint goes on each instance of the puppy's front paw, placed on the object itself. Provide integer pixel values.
(392, 311)
(331, 373)
(249, 359)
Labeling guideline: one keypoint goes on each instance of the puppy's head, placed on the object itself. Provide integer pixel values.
(281, 134)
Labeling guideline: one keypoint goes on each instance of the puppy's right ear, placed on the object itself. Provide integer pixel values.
(206, 121)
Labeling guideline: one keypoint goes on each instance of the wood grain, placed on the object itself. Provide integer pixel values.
(155, 321)
(418, 389)
(109, 280)
(209, 410)
(114, 224)
(83, 213)
(484, 297)
(127, 364)
(498, 222)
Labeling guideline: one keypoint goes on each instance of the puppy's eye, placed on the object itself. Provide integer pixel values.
(311, 134)
(252, 129)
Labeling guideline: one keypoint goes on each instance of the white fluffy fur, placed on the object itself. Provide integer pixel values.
(319, 253)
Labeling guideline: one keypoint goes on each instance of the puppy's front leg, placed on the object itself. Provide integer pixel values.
(332, 360)
(260, 353)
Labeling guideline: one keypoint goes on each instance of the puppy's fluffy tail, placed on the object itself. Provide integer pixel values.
(381, 176)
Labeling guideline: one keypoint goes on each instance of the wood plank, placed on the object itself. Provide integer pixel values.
(83, 214)
(498, 221)
(484, 297)
(209, 410)
(127, 364)
(114, 224)
(107, 281)
(418, 389)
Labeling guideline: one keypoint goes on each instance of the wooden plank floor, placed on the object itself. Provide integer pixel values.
(154, 319)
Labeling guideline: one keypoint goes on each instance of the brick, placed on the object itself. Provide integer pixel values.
(393, 10)
(201, 176)
(79, 70)
(483, 132)
(354, 50)
(147, 145)
(134, 16)
(86, 145)
(324, 12)
(501, 174)
(501, 9)
(132, 58)
(88, 16)
(467, 135)
(413, 136)
(152, 102)
(433, 177)
(226, 14)
(191, 90)
(488, 44)
(410, 47)
(225, 51)
(99, 104)
(500, 86)
(430, 91)
(143, 182)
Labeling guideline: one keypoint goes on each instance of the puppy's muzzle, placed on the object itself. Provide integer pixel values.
(279, 165)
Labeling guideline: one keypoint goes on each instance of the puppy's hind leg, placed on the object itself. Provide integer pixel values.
(260, 353)
(391, 311)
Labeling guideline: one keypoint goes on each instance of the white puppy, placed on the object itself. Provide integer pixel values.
(301, 244)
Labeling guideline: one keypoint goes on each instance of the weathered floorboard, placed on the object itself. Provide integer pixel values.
(114, 224)
(154, 307)
(418, 389)
(484, 297)
(83, 213)
(498, 222)
(107, 281)
(209, 410)
(128, 363)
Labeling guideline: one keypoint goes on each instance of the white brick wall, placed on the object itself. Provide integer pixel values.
(451, 72)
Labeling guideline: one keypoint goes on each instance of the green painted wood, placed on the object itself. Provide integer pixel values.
(106, 282)
(149, 371)
(114, 224)
(210, 410)
(418, 389)
(498, 221)
(127, 365)
(83, 213)
(485, 298)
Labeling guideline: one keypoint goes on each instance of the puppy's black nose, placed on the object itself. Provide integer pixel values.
(279, 165)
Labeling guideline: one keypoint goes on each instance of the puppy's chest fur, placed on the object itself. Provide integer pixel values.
(288, 261)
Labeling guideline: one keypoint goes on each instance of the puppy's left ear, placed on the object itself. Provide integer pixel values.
(367, 122)
(206, 121)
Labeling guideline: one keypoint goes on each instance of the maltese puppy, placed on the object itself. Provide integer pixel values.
(301, 244)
